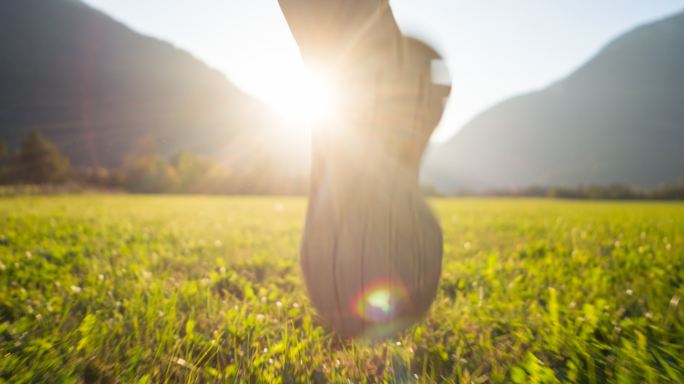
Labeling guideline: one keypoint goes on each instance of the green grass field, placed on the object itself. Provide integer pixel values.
(204, 289)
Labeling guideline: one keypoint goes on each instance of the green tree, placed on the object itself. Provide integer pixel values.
(146, 171)
(4, 163)
(197, 174)
(39, 161)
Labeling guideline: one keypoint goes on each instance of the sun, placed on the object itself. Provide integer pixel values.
(305, 98)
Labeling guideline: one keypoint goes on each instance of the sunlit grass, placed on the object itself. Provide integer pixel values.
(199, 289)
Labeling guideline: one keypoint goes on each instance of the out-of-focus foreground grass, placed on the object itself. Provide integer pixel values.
(203, 289)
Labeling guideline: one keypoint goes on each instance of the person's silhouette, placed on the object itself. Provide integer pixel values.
(372, 250)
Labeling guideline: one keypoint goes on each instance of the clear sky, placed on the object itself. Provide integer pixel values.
(494, 49)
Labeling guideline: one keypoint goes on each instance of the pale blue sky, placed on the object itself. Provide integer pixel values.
(494, 49)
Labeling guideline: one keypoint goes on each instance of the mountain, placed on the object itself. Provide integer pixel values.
(617, 119)
(97, 88)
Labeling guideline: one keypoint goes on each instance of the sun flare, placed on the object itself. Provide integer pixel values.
(307, 97)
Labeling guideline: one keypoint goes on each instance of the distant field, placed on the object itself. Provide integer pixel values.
(203, 289)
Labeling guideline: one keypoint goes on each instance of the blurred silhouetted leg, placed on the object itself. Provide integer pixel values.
(372, 249)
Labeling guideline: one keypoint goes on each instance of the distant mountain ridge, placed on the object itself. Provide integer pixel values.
(96, 88)
(617, 119)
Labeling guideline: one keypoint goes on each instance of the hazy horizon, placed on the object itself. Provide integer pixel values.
(492, 51)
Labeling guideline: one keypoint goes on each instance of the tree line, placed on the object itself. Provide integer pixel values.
(669, 191)
(37, 161)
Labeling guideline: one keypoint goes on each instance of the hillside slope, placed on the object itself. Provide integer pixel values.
(96, 88)
(618, 119)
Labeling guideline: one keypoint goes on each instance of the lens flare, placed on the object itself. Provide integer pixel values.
(381, 302)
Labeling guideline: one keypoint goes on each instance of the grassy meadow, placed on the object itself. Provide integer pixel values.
(149, 289)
